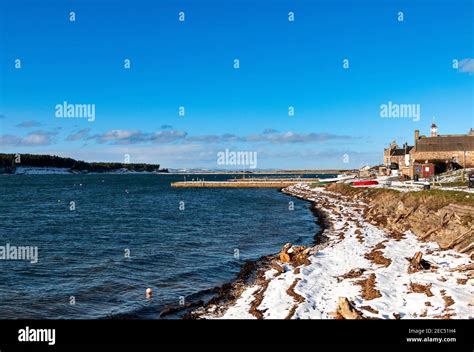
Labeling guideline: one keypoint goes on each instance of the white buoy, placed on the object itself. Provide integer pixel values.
(148, 292)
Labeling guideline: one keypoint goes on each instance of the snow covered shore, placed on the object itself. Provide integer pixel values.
(31, 170)
(367, 265)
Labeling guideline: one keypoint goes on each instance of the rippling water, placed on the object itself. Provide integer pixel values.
(179, 253)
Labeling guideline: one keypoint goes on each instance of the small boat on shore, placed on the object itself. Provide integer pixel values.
(339, 178)
(365, 183)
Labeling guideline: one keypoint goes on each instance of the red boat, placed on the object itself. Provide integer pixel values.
(365, 183)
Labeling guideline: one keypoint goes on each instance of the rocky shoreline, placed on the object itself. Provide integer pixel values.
(358, 268)
(446, 218)
(253, 272)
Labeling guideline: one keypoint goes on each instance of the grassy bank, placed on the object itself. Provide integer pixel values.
(431, 199)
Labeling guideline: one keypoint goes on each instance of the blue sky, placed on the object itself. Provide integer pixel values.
(190, 64)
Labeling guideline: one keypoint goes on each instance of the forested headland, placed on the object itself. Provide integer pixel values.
(10, 162)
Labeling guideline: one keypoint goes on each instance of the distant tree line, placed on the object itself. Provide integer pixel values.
(9, 162)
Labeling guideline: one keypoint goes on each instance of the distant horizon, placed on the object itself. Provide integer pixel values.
(296, 86)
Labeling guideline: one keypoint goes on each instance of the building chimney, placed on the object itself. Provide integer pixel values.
(417, 135)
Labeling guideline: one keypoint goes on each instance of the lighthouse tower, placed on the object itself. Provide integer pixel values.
(434, 129)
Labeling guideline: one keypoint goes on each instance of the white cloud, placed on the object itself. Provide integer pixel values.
(79, 135)
(36, 138)
(120, 136)
(137, 136)
(29, 124)
(466, 65)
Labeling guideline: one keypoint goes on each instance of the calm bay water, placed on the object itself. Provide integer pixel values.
(178, 253)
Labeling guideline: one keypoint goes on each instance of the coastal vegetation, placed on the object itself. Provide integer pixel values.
(10, 162)
(433, 199)
(441, 216)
